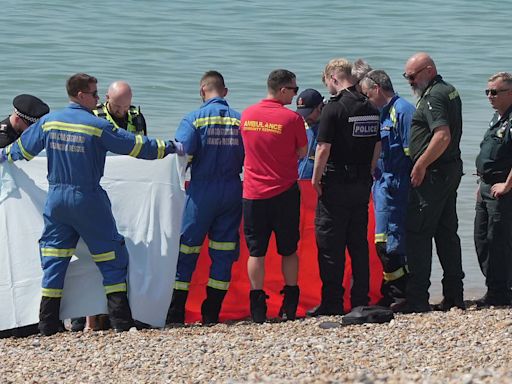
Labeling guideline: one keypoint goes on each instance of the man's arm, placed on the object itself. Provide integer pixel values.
(440, 141)
(500, 189)
(321, 156)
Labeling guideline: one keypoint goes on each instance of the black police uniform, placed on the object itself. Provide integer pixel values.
(493, 219)
(351, 125)
(431, 210)
(7, 133)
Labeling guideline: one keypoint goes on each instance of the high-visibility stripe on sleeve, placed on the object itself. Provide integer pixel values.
(121, 287)
(218, 284)
(52, 292)
(222, 246)
(189, 249)
(24, 152)
(76, 128)
(161, 148)
(136, 147)
(381, 237)
(395, 275)
(216, 120)
(104, 256)
(181, 285)
(57, 252)
(406, 151)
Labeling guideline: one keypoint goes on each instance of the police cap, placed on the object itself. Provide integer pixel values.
(29, 108)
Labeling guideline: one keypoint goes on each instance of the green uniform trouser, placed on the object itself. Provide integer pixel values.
(431, 213)
(493, 241)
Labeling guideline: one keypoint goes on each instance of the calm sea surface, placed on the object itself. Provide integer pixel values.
(163, 47)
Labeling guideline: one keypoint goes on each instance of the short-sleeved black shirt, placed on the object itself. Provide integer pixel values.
(350, 123)
(7, 133)
(440, 104)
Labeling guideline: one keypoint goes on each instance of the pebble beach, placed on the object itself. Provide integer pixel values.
(471, 346)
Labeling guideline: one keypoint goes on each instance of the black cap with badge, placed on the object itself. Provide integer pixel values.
(29, 108)
(308, 100)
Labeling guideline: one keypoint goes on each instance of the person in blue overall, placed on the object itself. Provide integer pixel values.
(76, 144)
(309, 105)
(211, 136)
(391, 186)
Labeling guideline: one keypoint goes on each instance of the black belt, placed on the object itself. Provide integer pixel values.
(348, 173)
(494, 177)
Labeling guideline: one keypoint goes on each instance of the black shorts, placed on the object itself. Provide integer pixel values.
(280, 214)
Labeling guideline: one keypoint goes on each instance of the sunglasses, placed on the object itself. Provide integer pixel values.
(494, 92)
(412, 76)
(294, 89)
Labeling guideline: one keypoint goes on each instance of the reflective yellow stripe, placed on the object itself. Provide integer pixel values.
(392, 115)
(51, 292)
(8, 153)
(136, 147)
(121, 287)
(57, 252)
(188, 250)
(181, 285)
(406, 151)
(217, 120)
(104, 256)
(381, 237)
(68, 127)
(217, 284)
(390, 276)
(26, 155)
(453, 95)
(161, 148)
(222, 246)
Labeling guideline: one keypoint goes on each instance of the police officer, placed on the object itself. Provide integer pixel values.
(27, 110)
(309, 105)
(493, 219)
(391, 186)
(76, 144)
(347, 152)
(118, 109)
(437, 169)
(211, 135)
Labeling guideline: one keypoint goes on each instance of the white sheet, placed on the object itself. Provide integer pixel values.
(147, 202)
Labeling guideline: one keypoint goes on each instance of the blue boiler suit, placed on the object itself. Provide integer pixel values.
(211, 135)
(76, 144)
(306, 164)
(391, 187)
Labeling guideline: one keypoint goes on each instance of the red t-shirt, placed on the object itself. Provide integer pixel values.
(272, 134)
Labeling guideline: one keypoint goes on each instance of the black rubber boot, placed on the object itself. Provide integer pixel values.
(49, 323)
(393, 291)
(258, 299)
(78, 324)
(119, 311)
(332, 301)
(288, 309)
(176, 313)
(211, 306)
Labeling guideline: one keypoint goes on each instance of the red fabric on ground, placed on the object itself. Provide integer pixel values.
(236, 304)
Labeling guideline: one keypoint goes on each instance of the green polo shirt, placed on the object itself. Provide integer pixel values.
(439, 105)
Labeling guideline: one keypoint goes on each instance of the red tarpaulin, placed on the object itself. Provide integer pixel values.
(236, 304)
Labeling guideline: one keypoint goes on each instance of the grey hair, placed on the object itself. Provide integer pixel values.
(380, 78)
(505, 76)
(359, 69)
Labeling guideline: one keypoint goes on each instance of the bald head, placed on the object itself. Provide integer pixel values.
(119, 98)
(420, 69)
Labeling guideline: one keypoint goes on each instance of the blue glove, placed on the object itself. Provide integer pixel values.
(178, 148)
(3, 157)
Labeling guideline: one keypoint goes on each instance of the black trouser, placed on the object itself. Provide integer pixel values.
(431, 213)
(342, 222)
(493, 241)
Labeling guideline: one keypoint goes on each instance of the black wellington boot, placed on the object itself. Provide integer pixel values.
(49, 323)
(211, 306)
(176, 313)
(119, 311)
